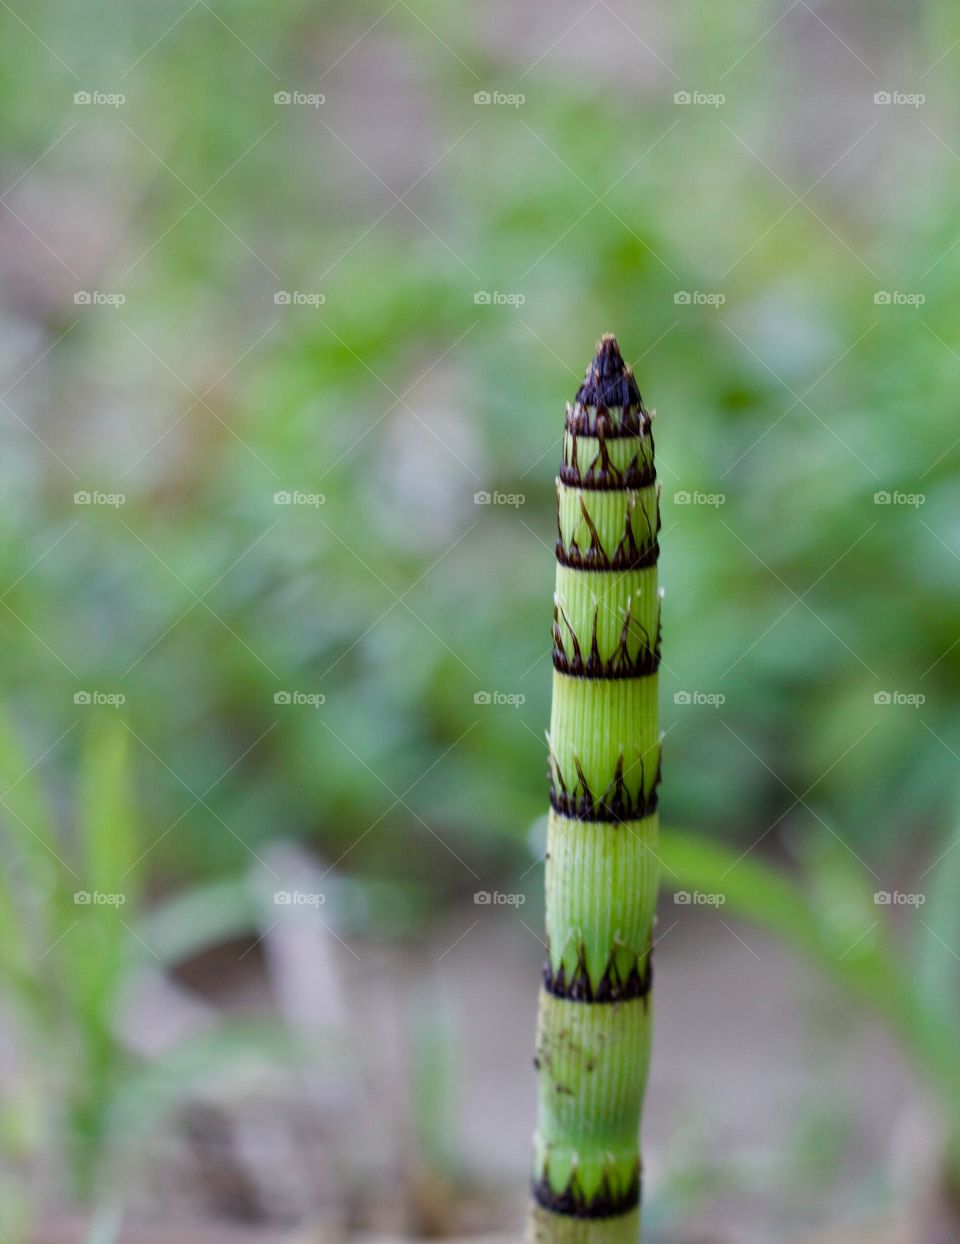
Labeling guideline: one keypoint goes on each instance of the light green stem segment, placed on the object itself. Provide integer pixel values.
(615, 517)
(601, 893)
(593, 1033)
(595, 601)
(593, 1067)
(602, 728)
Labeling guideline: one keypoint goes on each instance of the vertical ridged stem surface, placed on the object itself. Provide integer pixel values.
(593, 1031)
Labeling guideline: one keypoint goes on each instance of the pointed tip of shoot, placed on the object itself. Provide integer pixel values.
(608, 380)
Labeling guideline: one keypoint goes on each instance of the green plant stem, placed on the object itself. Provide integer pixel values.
(593, 1033)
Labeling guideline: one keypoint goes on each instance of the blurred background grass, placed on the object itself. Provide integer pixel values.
(780, 265)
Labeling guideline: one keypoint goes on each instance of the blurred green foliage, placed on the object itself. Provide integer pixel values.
(398, 599)
(199, 398)
(75, 945)
(66, 952)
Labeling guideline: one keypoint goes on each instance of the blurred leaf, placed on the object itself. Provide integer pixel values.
(197, 919)
(97, 945)
(813, 917)
(107, 819)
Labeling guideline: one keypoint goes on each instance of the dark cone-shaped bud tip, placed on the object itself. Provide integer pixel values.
(608, 380)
